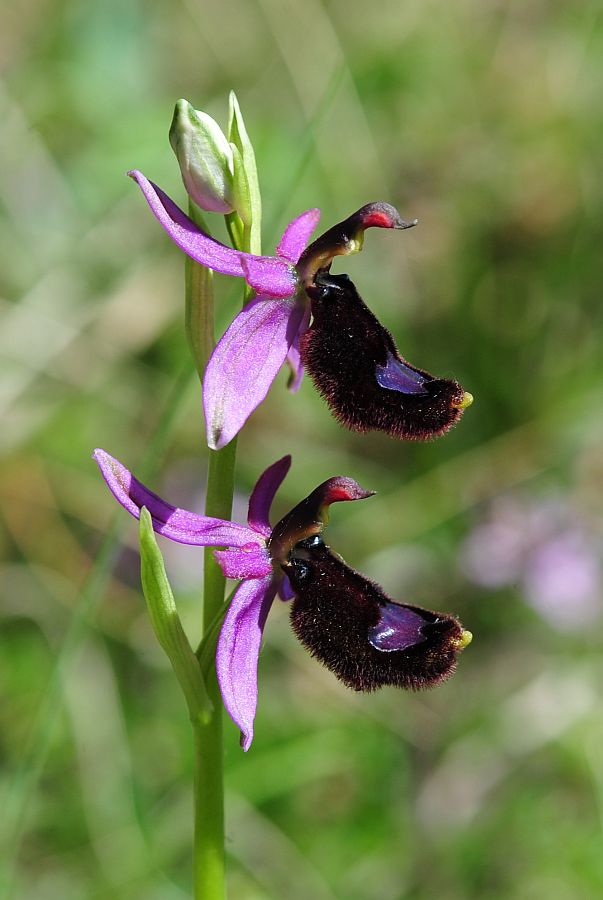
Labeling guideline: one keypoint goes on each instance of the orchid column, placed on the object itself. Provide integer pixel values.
(220, 175)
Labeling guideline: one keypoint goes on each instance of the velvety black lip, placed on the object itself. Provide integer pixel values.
(337, 612)
(346, 350)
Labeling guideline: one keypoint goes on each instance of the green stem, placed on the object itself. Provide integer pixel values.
(208, 866)
(208, 860)
(198, 307)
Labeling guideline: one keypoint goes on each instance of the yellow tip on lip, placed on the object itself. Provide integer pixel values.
(464, 640)
(465, 401)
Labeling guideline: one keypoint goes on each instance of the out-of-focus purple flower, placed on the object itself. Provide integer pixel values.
(492, 554)
(346, 621)
(352, 359)
(562, 580)
(545, 548)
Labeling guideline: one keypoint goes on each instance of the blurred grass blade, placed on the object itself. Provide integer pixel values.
(167, 625)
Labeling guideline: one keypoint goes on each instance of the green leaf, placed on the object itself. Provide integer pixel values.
(167, 625)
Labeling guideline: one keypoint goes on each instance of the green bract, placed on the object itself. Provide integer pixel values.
(167, 625)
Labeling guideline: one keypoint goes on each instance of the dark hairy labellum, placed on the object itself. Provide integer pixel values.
(356, 631)
(355, 364)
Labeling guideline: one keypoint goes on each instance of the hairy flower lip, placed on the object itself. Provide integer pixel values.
(366, 639)
(356, 366)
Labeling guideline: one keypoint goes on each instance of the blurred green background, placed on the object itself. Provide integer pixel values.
(484, 120)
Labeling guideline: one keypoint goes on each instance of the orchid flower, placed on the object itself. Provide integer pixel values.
(346, 621)
(385, 392)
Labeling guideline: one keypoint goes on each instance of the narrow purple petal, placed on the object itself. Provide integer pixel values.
(244, 562)
(296, 235)
(258, 516)
(294, 356)
(244, 364)
(186, 234)
(397, 376)
(176, 524)
(269, 275)
(238, 651)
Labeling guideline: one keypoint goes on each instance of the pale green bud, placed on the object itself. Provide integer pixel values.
(205, 158)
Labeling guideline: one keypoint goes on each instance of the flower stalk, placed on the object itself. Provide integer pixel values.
(294, 310)
(199, 304)
(208, 852)
(243, 224)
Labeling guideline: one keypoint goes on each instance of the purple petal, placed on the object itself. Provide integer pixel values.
(269, 275)
(176, 524)
(238, 652)
(244, 364)
(195, 243)
(246, 562)
(258, 516)
(396, 376)
(294, 357)
(296, 235)
(398, 628)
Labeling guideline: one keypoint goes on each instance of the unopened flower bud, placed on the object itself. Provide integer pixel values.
(205, 158)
